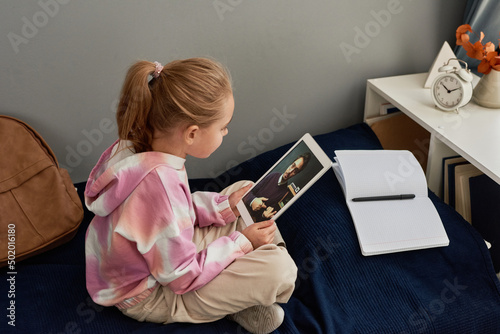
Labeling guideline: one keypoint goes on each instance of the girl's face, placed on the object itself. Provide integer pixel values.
(210, 138)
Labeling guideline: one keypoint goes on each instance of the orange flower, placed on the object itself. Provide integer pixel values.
(474, 50)
(461, 34)
(494, 60)
(484, 67)
(483, 52)
(489, 47)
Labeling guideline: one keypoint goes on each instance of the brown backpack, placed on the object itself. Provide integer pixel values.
(39, 206)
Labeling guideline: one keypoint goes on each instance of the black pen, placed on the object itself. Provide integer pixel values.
(383, 198)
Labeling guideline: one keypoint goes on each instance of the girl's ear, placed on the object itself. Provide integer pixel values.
(190, 134)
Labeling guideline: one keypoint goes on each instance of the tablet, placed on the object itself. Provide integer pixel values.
(284, 182)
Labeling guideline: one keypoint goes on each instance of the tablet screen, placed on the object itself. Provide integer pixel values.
(284, 182)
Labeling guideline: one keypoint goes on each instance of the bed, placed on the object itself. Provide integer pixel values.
(452, 289)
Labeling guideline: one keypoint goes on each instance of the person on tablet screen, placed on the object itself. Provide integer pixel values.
(263, 200)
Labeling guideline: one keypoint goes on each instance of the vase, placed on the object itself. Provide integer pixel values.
(487, 91)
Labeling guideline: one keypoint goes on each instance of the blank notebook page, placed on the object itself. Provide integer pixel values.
(381, 173)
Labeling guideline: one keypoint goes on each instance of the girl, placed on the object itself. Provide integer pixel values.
(154, 250)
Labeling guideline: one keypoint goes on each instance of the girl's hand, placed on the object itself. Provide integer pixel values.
(236, 196)
(261, 233)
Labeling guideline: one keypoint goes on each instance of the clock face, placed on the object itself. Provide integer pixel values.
(448, 92)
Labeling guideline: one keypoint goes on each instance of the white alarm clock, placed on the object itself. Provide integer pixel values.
(452, 89)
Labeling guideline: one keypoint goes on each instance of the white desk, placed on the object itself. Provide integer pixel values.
(473, 133)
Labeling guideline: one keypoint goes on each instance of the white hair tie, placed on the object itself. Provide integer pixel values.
(158, 69)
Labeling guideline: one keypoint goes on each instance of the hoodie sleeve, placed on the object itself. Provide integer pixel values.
(212, 209)
(159, 217)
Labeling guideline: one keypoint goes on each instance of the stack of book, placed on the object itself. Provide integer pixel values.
(468, 190)
(476, 197)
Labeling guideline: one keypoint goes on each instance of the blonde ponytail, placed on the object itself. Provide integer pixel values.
(190, 91)
(135, 105)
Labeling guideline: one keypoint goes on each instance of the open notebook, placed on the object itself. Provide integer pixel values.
(387, 226)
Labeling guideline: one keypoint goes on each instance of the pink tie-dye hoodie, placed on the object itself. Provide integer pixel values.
(141, 235)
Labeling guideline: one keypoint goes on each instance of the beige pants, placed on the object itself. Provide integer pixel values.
(262, 277)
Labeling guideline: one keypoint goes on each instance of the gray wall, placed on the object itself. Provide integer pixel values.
(297, 66)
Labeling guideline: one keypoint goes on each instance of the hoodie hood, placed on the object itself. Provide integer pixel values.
(117, 174)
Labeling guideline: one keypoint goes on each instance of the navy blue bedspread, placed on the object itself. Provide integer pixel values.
(441, 290)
